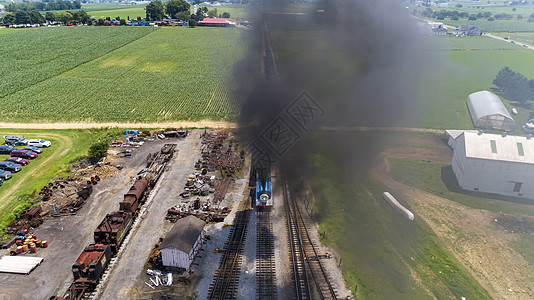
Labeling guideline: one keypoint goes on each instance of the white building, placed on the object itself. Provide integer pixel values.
(182, 243)
(488, 111)
(492, 163)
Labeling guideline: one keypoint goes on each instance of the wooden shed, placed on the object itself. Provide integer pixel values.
(181, 245)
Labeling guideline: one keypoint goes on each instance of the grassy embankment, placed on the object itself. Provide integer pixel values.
(19, 192)
(381, 251)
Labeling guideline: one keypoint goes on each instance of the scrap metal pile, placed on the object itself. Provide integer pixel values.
(219, 154)
(62, 196)
(171, 132)
(100, 170)
(65, 196)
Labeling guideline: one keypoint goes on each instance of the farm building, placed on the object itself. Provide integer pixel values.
(487, 111)
(468, 30)
(181, 245)
(492, 163)
(215, 22)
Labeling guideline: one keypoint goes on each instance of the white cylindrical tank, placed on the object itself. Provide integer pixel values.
(397, 206)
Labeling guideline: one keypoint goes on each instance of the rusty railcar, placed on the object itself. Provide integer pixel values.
(134, 196)
(113, 229)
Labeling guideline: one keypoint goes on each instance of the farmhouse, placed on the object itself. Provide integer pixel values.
(468, 30)
(437, 28)
(487, 111)
(492, 163)
(181, 245)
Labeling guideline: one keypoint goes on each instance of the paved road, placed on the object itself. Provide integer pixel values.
(508, 40)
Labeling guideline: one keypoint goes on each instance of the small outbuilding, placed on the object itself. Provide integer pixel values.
(488, 111)
(182, 243)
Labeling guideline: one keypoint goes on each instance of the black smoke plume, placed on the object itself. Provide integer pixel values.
(359, 60)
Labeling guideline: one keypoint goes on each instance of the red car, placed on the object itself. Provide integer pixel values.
(24, 154)
(18, 160)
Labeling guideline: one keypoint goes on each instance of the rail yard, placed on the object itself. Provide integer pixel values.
(103, 250)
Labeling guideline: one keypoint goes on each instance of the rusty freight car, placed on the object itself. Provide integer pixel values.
(113, 229)
(134, 196)
(90, 265)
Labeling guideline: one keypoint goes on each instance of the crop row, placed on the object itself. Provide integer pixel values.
(31, 56)
(169, 74)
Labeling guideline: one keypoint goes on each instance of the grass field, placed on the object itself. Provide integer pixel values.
(468, 65)
(123, 13)
(28, 62)
(378, 247)
(17, 193)
(237, 11)
(169, 74)
(438, 179)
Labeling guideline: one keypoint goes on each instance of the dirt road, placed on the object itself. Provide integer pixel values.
(82, 125)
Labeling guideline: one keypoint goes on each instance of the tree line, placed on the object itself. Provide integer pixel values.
(515, 86)
(456, 15)
(44, 6)
(35, 17)
(179, 9)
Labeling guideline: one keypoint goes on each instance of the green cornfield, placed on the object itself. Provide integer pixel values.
(119, 74)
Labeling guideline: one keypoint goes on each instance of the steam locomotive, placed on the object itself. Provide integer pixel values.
(264, 195)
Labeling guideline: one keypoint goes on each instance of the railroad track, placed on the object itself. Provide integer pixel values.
(265, 263)
(226, 281)
(309, 276)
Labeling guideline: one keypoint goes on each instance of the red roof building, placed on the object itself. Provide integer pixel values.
(215, 22)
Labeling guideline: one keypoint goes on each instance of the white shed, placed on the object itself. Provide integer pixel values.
(488, 111)
(181, 245)
(492, 163)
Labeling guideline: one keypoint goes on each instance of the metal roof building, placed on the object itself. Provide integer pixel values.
(181, 245)
(487, 111)
(492, 163)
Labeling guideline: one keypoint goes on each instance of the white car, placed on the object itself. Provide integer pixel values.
(39, 143)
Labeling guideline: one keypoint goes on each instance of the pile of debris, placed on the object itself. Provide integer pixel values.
(205, 212)
(171, 133)
(198, 185)
(29, 218)
(65, 196)
(219, 155)
(100, 170)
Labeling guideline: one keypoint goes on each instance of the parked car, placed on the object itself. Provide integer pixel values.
(16, 140)
(1, 181)
(34, 149)
(10, 166)
(5, 175)
(24, 154)
(18, 160)
(39, 143)
(5, 149)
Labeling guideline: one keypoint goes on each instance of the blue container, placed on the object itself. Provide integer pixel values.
(134, 132)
